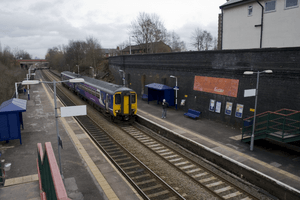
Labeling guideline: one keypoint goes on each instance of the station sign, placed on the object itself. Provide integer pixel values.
(176, 88)
(70, 111)
(250, 93)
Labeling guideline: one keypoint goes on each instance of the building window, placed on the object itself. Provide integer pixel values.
(270, 6)
(250, 10)
(291, 3)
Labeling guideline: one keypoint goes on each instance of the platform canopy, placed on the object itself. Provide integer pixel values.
(14, 104)
(159, 92)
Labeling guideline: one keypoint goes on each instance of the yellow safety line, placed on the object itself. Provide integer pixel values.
(92, 166)
(20, 180)
(297, 178)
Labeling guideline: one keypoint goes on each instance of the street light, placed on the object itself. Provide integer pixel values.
(28, 77)
(256, 95)
(16, 86)
(93, 71)
(34, 82)
(130, 43)
(123, 77)
(175, 90)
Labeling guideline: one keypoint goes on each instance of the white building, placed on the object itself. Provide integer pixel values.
(260, 24)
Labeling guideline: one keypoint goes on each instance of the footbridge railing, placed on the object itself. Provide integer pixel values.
(50, 181)
(282, 125)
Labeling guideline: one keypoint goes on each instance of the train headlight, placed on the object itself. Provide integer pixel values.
(117, 111)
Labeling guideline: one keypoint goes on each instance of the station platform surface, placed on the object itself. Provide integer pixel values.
(87, 172)
(227, 141)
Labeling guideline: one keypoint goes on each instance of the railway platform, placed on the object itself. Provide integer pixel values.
(87, 173)
(226, 140)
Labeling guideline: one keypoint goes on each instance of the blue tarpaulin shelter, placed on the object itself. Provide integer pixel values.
(11, 119)
(159, 92)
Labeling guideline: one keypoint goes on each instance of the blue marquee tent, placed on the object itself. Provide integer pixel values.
(11, 119)
(159, 92)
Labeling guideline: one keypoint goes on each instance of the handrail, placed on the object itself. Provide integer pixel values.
(276, 113)
(270, 122)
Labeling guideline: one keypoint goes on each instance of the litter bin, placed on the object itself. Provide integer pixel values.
(248, 122)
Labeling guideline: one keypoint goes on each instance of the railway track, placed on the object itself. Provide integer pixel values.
(217, 185)
(145, 181)
(149, 185)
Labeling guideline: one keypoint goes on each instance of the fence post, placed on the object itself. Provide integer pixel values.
(268, 123)
(283, 124)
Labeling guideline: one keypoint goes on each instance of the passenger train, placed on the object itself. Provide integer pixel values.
(117, 101)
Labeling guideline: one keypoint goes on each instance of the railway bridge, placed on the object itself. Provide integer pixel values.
(40, 63)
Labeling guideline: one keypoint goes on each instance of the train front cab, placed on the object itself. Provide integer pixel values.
(125, 105)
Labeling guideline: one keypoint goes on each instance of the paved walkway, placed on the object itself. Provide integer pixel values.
(226, 140)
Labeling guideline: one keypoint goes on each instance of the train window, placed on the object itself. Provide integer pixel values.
(118, 99)
(132, 98)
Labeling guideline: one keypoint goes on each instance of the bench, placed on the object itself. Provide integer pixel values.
(192, 113)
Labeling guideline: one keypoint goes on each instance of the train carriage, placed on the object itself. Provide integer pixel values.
(117, 101)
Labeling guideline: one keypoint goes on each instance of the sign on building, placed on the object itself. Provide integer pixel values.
(222, 86)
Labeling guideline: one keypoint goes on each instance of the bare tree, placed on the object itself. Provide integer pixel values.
(201, 40)
(175, 43)
(215, 43)
(93, 51)
(83, 53)
(207, 39)
(21, 54)
(146, 30)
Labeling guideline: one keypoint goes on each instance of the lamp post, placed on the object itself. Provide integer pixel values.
(16, 86)
(175, 90)
(92, 71)
(256, 95)
(123, 77)
(34, 82)
(130, 43)
(28, 78)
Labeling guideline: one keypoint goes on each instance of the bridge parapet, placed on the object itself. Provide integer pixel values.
(51, 184)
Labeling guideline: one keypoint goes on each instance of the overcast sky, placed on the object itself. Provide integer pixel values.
(36, 25)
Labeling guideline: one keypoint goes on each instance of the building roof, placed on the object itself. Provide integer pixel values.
(13, 105)
(108, 50)
(231, 3)
(158, 86)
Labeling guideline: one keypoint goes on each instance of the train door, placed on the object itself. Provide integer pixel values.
(107, 103)
(126, 106)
